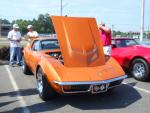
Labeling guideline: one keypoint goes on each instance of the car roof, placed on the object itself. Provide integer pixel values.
(45, 38)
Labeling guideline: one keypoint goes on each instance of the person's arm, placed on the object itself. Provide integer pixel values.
(36, 34)
(28, 37)
(104, 28)
(10, 36)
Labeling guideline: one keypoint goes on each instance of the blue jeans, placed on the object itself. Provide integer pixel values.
(15, 51)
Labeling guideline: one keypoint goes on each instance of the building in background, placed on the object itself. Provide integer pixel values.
(4, 29)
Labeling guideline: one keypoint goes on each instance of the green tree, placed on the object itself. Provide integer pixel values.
(4, 21)
(43, 24)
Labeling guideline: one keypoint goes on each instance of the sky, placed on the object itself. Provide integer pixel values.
(122, 15)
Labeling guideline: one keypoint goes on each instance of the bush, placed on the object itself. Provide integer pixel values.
(5, 54)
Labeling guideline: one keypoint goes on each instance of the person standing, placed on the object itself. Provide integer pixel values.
(14, 37)
(31, 35)
(105, 34)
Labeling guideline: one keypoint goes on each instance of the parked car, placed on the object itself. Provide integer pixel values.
(73, 64)
(144, 43)
(132, 56)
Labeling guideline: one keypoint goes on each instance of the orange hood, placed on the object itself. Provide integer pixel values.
(79, 41)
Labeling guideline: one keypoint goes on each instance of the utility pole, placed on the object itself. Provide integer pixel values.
(142, 20)
(0, 28)
(61, 8)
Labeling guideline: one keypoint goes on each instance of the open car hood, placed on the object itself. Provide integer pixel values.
(79, 41)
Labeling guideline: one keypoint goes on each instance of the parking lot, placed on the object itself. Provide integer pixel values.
(18, 95)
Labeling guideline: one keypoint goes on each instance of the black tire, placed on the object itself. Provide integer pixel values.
(46, 92)
(25, 67)
(140, 69)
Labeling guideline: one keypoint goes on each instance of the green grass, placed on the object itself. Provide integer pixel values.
(2, 46)
(3, 37)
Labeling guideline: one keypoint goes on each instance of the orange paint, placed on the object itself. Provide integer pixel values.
(82, 53)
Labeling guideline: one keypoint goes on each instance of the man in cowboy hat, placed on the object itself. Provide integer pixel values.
(14, 37)
(31, 34)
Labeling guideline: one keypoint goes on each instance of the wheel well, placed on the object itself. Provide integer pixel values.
(137, 57)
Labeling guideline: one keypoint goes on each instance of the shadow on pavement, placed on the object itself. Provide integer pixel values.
(23, 92)
(122, 97)
(6, 103)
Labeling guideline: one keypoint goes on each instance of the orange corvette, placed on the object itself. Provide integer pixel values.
(72, 63)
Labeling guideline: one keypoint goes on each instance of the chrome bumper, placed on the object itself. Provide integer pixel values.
(91, 84)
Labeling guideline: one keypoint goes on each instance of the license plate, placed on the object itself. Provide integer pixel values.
(99, 88)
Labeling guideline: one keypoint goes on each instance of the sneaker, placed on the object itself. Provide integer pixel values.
(19, 64)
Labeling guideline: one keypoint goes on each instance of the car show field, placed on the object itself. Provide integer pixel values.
(80, 56)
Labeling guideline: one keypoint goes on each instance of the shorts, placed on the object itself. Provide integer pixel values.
(107, 50)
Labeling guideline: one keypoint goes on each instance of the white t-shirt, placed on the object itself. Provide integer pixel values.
(32, 34)
(14, 36)
(107, 50)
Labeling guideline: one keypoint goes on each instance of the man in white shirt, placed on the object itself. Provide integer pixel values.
(31, 35)
(14, 37)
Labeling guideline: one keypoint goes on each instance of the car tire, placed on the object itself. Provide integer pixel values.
(140, 69)
(25, 67)
(46, 92)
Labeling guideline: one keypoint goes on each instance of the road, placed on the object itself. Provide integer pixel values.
(18, 95)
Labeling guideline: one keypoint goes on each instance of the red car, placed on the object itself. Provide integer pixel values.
(132, 56)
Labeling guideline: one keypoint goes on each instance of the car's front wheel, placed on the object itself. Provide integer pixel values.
(45, 91)
(25, 67)
(140, 69)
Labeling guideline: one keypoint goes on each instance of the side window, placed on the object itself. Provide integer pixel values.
(121, 43)
(36, 46)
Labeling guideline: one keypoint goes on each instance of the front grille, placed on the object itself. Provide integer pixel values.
(76, 88)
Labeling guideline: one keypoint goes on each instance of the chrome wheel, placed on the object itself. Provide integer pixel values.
(45, 91)
(39, 83)
(139, 70)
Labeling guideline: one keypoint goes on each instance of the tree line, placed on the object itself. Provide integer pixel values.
(43, 24)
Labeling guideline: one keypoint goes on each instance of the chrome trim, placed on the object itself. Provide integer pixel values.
(90, 83)
(73, 92)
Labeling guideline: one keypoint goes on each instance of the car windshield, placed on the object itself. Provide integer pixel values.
(126, 42)
(49, 44)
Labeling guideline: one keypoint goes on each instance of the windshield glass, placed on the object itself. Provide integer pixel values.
(49, 44)
(126, 42)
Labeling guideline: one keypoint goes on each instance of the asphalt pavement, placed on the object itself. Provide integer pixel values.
(18, 95)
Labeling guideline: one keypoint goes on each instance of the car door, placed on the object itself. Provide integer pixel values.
(120, 52)
(35, 55)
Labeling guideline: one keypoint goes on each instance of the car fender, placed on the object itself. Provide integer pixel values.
(48, 66)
